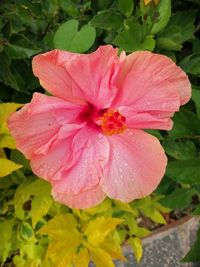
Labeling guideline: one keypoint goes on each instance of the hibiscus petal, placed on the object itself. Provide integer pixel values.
(83, 200)
(93, 150)
(147, 101)
(148, 107)
(147, 120)
(50, 69)
(93, 73)
(36, 126)
(48, 166)
(137, 164)
(86, 76)
(158, 66)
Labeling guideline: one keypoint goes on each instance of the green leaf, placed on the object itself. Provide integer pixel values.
(38, 188)
(195, 44)
(136, 245)
(70, 8)
(134, 228)
(181, 149)
(196, 99)
(39, 208)
(6, 230)
(100, 4)
(26, 231)
(196, 211)
(184, 171)
(185, 19)
(6, 75)
(16, 51)
(183, 126)
(155, 216)
(7, 167)
(180, 198)
(67, 37)
(108, 20)
(191, 64)
(164, 10)
(148, 207)
(18, 177)
(19, 158)
(21, 48)
(179, 29)
(155, 133)
(126, 7)
(170, 38)
(193, 255)
(32, 251)
(134, 38)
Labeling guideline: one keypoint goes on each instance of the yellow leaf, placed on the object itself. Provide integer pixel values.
(148, 206)
(146, 2)
(126, 207)
(156, 216)
(132, 224)
(2, 153)
(60, 222)
(6, 109)
(99, 228)
(39, 188)
(58, 255)
(113, 248)
(6, 140)
(8, 166)
(62, 228)
(136, 245)
(82, 259)
(101, 258)
(39, 208)
(101, 208)
(161, 207)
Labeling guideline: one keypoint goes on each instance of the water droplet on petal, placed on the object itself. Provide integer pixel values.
(130, 133)
(100, 136)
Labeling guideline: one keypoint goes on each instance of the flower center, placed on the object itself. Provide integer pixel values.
(112, 122)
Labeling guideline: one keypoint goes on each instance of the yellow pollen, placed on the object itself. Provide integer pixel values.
(112, 122)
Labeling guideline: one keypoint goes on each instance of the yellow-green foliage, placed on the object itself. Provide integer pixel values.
(35, 231)
(6, 141)
(49, 234)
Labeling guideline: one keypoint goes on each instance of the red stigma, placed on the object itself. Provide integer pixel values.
(112, 122)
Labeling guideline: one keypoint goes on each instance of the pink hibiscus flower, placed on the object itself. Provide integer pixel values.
(86, 140)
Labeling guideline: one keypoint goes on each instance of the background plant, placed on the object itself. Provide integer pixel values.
(31, 224)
